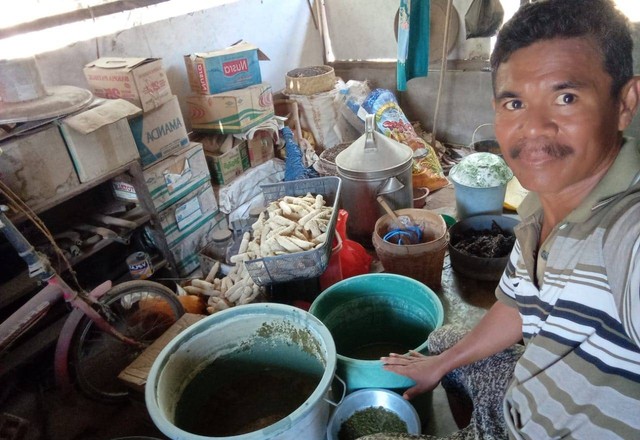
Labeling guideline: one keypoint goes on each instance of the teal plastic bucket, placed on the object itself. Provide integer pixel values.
(253, 337)
(371, 315)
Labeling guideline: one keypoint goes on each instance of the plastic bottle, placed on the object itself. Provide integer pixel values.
(254, 213)
(221, 244)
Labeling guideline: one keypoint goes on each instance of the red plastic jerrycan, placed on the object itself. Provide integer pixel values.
(354, 259)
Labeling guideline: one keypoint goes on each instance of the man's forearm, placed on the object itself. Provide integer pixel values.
(500, 328)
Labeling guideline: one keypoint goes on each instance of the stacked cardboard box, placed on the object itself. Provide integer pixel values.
(99, 138)
(173, 177)
(51, 160)
(189, 225)
(181, 191)
(227, 156)
(261, 147)
(228, 98)
(159, 130)
(175, 169)
(36, 165)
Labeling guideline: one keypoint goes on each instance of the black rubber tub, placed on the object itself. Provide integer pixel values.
(479, 268)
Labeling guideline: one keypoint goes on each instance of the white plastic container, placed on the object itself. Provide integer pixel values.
(480, 183)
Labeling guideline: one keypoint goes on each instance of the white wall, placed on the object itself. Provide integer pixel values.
(363, 29)
(283, 29)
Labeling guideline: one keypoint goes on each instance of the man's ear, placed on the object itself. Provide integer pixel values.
(629, 101)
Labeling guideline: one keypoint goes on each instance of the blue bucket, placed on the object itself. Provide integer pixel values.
(374, 314)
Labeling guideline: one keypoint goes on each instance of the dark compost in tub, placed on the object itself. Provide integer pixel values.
(486, 243)
(372, 420)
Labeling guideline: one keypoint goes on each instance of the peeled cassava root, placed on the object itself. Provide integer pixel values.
(221, 293)
(288, 225)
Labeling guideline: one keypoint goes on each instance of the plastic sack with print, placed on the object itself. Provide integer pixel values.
(483, 18)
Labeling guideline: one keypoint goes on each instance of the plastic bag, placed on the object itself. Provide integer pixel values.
(483, 18)
(391, 121)
(348, 100)
(294, 166)
(318, 114)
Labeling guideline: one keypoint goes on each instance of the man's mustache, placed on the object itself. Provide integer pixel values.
(552, 149)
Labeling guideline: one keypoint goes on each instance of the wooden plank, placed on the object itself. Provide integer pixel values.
(87, 13)
(28, 349)
(16, 288)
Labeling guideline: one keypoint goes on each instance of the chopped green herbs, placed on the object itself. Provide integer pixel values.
(371, 420)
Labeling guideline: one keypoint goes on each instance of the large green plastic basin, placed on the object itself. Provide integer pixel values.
(369, 316)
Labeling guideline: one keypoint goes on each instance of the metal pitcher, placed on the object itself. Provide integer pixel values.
(373, 165)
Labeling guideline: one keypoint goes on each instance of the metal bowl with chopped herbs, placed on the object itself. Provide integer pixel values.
(372, 411)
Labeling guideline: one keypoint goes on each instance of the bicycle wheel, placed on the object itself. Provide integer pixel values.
(141, 310)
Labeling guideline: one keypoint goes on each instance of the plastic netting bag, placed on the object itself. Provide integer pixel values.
(483, 18)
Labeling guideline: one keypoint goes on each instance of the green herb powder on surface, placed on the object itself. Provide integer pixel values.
(371, 420)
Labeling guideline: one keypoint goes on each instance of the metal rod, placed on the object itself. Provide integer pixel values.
(443, 69)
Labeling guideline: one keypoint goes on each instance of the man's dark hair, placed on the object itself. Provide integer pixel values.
(547, 19)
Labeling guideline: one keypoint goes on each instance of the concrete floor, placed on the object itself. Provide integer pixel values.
(48, 415)
(35, 410)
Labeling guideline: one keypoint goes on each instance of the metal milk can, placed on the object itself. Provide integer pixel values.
(373, 165)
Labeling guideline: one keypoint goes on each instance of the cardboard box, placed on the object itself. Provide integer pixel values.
(260, 147)
(186, 250)
(224, 167)
(141, 81)
(36, 165)
(169, 179)
(232, 68)
(159, 132)
(137, 372)
(231, 112)
(188, 213)
(99, 140)
(177, 175)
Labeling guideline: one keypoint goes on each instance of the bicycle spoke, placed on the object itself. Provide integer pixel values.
(142, 311)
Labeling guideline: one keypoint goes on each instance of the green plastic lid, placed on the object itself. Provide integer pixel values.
(481, 170)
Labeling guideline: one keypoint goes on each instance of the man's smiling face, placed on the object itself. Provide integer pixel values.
(556, 121)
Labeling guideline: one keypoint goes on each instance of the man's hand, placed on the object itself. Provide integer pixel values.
(416, 366)
(498, 329)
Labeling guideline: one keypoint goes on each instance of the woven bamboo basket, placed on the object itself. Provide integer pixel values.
(423, 261)
(310, 80)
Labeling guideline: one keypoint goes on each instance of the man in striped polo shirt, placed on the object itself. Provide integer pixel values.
(563, 94)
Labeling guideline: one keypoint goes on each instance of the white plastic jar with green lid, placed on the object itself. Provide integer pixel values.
(480, 183)
(481, 170)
